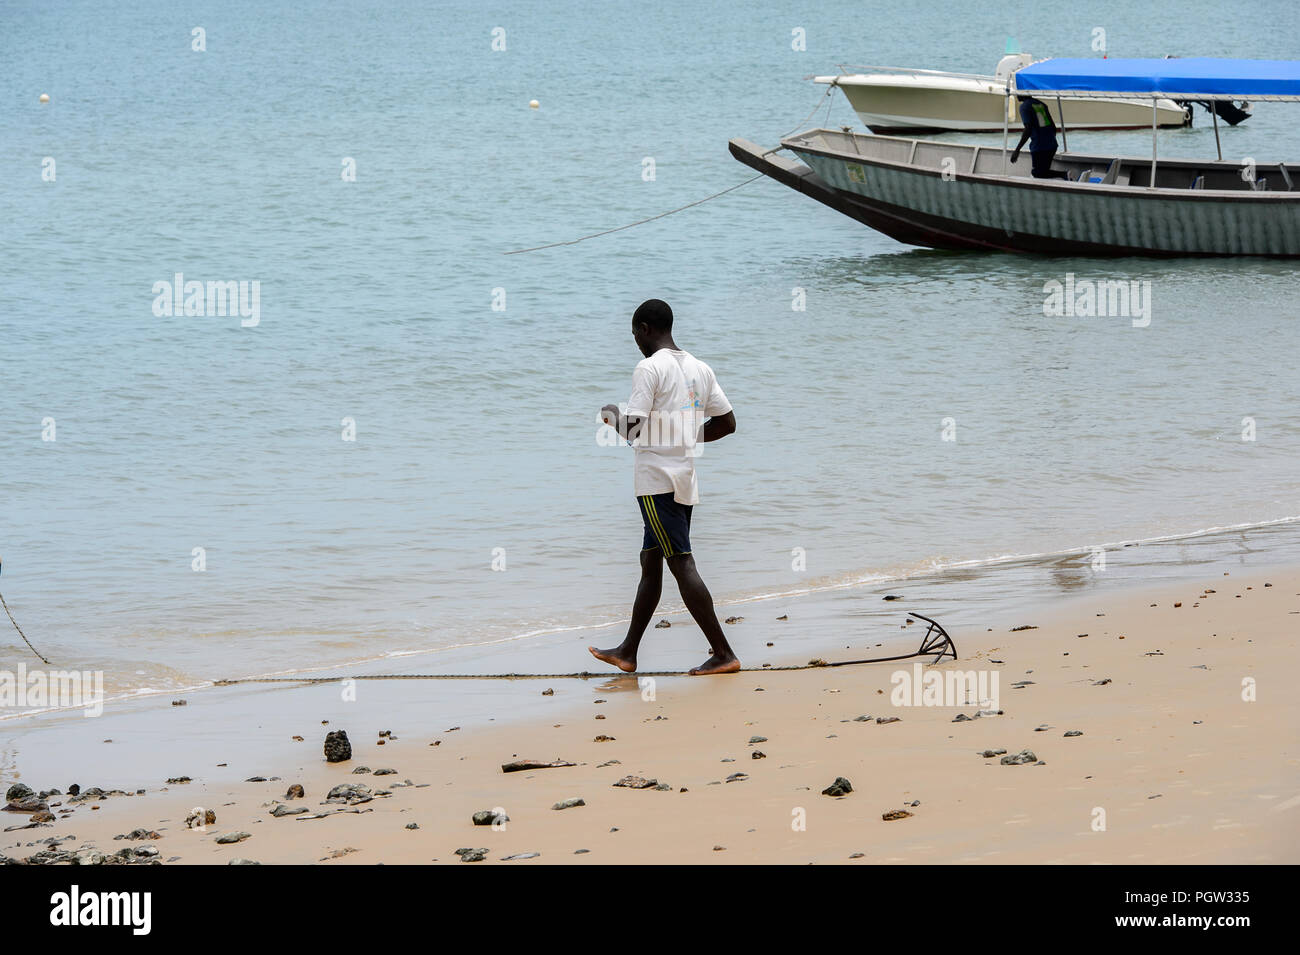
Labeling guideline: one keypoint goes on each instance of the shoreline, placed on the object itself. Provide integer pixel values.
(1280, 536)
(1168, 747)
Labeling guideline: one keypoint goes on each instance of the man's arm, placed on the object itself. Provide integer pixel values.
(1024, 137)
(1028, 121)
(644, 385)
(719, 426)
(627, 426)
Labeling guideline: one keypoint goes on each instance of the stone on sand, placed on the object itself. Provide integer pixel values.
(841, 787)
(337, 747)
(1020, 759)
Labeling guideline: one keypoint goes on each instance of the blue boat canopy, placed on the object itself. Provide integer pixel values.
(1199, 78)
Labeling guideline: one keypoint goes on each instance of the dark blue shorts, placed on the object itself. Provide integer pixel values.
(667, 524)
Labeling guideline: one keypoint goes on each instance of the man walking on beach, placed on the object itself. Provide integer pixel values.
(1040, 133)
(673, 393)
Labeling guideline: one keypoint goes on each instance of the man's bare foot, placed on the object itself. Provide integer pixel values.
(716, 664)
(614, 658)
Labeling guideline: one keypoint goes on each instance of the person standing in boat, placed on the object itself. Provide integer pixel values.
(676, 402)
(1040, 132)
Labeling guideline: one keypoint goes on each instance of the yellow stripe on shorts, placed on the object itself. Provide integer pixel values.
(656, 526)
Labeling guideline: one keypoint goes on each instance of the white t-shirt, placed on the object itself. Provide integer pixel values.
(674, 392)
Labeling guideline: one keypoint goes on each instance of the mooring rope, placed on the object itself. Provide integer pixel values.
(579, 675)
(697, 202)
(936, 640)
(551, 245)
(20, 632)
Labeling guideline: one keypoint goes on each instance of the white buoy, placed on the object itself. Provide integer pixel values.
(533, 104)
(45, 97)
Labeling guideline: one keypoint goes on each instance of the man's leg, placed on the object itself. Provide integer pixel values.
(643, 608)
(1042, 165)
(699, 602)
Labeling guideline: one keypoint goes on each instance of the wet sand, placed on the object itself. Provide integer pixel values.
(1173, 765)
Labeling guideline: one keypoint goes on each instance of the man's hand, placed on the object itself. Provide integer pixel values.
(1015, 155)
(628, 428)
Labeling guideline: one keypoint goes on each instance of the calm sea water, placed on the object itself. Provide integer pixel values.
(475, 430)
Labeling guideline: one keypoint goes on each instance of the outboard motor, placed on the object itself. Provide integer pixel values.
(1229, 111)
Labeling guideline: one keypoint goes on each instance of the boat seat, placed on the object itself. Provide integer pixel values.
(1286, 176)
(1112, 173)
(1260, 185)
(1197, 183)
(1091, 175)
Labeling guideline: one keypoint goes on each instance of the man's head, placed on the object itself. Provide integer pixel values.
(652, 324)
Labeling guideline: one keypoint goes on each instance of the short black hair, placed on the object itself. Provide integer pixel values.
(655, 313)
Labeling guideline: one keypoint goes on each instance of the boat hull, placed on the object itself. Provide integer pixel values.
(930, 208)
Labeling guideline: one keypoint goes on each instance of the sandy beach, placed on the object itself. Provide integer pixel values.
(1160, 719)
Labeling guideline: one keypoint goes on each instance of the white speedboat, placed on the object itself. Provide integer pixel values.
(892, 101)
